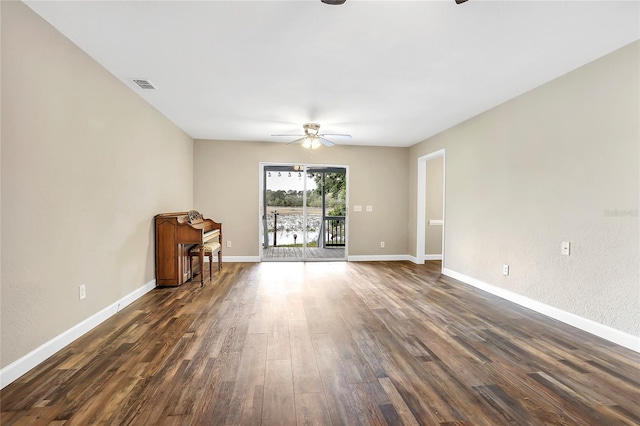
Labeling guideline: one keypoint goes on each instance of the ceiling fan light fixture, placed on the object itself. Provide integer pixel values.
(311, 142)
(311, 128)
(312, 138)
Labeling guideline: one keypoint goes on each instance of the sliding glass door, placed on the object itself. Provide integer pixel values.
(303, 213)
(326, 213)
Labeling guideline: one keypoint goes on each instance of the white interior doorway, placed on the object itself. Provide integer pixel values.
(430, 227)
(303, 212)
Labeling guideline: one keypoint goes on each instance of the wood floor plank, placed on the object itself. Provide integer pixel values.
(406, 417)
(306, 377)
(279, 403)
(259, 320)
(278, 340)
(376, 406)
(345, 352)
(312, 410)
(246, 396)
(295, 308)
(340, 399)
(334, 343)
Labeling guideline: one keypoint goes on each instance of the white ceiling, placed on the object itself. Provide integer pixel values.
(390, 73)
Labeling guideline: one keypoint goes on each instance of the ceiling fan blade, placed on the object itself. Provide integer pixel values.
(325, 142)
(312, 138)
(297, 140)
(335, 135)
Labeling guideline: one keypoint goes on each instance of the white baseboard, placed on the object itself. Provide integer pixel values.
(240, 259)
(621, 338)
(425, 257)
(355, 258)
(13, 371)
(432, 257)
(378, 257)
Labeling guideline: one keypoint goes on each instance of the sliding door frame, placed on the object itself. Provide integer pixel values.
(262, 231)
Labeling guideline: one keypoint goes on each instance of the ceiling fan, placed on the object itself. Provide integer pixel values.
(339, 2)
(312, 139)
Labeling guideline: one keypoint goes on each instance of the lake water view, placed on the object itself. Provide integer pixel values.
(290, 224)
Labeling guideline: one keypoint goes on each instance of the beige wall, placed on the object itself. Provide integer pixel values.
(552, 165)
(433, 208)
(0, 183)
(226, 189)
(85, 166)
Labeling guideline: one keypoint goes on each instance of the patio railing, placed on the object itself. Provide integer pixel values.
(334, 231)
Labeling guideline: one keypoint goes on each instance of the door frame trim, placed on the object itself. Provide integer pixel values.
(422, 204)
(261, 174)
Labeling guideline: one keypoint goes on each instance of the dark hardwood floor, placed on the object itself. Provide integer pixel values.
(333, 343)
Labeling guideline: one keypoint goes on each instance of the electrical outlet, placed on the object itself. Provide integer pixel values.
(505, 270)
(381, 244)
(369, 208)
(357, 208)
(228, 243)
(82, 291)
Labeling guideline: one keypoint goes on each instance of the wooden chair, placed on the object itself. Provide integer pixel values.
(209, 250)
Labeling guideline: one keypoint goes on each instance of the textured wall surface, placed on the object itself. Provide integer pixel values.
(559, 163)
(85, 166)
(227, 189)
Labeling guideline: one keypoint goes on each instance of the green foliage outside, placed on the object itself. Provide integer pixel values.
(292, 198)
(335, 192)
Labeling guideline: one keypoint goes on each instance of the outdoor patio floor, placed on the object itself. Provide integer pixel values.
(295, 253)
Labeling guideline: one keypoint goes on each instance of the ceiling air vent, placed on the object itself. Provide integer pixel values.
(143, 83)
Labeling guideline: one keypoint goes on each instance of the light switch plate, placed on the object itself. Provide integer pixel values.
(566, 248)
(357, 208)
